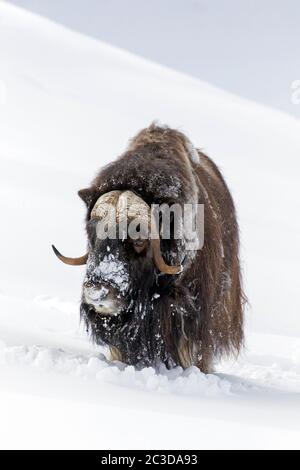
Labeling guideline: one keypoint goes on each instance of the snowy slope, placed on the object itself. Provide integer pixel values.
(249, 47)
(68, 105)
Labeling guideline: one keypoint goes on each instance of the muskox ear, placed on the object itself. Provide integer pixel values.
(87, 195)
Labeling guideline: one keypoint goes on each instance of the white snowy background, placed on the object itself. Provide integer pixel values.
(248, 47)
(68, 104)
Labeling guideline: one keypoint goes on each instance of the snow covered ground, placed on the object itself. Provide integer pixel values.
(68, 105)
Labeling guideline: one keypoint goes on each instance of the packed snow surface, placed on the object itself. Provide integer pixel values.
(68, 105)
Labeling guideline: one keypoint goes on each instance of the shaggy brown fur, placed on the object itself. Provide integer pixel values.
(199, 314)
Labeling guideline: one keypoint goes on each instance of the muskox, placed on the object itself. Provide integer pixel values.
(152, 300)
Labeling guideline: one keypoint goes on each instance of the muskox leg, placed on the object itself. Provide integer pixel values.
(115, 354)
(205, 365)
(191, 356)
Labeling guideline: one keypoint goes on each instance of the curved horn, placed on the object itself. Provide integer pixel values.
(132, 209)
(133, 205)
(103, 202)
(72, 261)
(99, 210)
(157, 256)
(159, 261)
(136, 207)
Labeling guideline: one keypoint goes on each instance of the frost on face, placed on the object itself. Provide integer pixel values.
(110, 269)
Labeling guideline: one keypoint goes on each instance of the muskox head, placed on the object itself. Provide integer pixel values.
(126, 268)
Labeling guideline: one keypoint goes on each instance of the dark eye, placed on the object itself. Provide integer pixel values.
(140, 245)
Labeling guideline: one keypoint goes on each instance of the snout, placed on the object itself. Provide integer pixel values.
(103, 298)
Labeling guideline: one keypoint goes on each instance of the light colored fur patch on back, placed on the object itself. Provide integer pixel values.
(193, 153)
